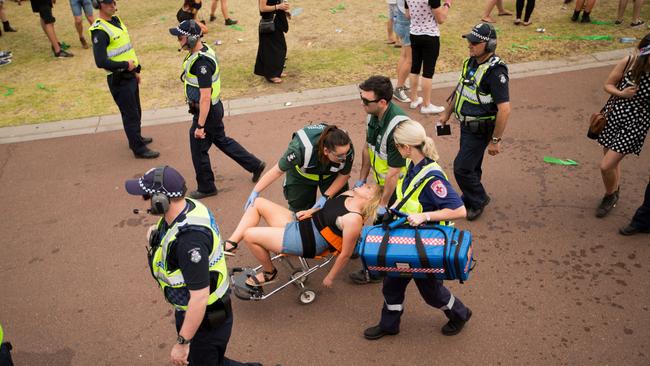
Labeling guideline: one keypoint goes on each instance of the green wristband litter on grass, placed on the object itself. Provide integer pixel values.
(9, 91)
(382, 16)
(236, 27)
(601, 22)
(43, 87)
(552, 160)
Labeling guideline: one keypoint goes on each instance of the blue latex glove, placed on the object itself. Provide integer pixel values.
(359, 183)
(381, 211)
(251, 199)
(320, 203)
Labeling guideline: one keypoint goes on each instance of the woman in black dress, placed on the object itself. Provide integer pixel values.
(272, 48)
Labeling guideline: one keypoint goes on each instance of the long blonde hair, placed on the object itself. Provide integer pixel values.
(413, 134)
(371, 206)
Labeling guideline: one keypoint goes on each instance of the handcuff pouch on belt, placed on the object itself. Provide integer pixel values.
(217, 313)
(484, 126)
(193, 107)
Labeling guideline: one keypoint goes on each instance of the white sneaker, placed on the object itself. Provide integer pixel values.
(432, 109)
(416, 104)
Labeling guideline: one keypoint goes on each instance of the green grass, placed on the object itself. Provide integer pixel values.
(318, 55)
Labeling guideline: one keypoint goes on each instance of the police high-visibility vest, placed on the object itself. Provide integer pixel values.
(418, 183)
(119, 47)
(192, 81)
(470, 103)
(198, 216)
(309, 137)
(379, 154)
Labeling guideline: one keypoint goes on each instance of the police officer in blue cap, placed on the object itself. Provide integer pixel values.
(481, 103)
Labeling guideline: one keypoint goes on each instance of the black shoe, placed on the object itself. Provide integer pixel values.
(585, 18)
(631, 230)
(258, 172)
(606, 205)
(376, 332)
(213, 18)
(146, 140)
(230, 21)
(147, 154)
(454, 327)
(197, 195)
(475, 213)
(575, 16)
(362, 277)
(7, 28)
(63, 54)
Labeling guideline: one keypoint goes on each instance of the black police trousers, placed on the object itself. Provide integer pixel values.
(126, 94)
(433, 293)
(216, 134)
(467, 165)
(208, 346)
(641, 219)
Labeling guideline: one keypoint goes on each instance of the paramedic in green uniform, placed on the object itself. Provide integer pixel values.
(318, 157)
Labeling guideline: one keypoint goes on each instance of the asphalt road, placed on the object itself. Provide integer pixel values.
(553, 285)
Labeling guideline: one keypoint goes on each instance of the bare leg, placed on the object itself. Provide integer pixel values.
(636, 13)
(403, 65)
(274, 215)
(489, 5)
(426, 91)
(502, 11)
(49, 32)
(390, 37)
(224, 9)
(261, 241)
(78, 24)
(610, 170)
(590, 5)
(213, 8)
(579, 5)
(413, 80)
(90, 19)
(622, 4)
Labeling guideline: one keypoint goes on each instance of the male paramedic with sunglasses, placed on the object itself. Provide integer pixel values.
(187, 262)
(481, 103)
(379, 152)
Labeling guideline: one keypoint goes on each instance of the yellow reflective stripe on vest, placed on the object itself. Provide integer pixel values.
(383, 148)
(119, 50)
(192, 80)
(471, 93)
(107, 29)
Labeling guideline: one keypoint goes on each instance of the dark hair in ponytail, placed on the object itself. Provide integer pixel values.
(330, 138)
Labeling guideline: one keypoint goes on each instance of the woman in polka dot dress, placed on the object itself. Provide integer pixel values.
(627, 121)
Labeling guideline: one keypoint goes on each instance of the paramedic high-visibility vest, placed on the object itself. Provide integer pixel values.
(418, 183)
(378, 152)
(119, 47)
(470, 103)
(311, 166)
(192, 81)
(201, 217)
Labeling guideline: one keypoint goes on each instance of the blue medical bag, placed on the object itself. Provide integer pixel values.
(433, 251)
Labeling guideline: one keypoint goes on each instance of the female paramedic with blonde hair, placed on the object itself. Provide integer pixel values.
(336, 227)
(434, 201)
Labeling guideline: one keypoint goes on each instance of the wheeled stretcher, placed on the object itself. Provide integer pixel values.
(299, 275)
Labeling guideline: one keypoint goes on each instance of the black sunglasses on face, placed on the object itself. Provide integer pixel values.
(368, 101)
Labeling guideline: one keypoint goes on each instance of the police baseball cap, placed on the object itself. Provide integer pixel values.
(482, 32)
(186, 28)
(173, 183)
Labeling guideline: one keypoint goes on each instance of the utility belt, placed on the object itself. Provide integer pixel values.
(476, 125)
(193, 107)
(116, 77)
(217, 313)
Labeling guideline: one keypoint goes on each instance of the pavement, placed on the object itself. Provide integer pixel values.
(553, 284)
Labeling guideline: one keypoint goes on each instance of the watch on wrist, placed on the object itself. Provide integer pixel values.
(182, 340)
(496, 140)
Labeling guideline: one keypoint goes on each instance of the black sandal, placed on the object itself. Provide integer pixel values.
(269, 277)
(232, 251)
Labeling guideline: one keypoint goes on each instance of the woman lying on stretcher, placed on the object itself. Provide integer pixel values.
(336, 227)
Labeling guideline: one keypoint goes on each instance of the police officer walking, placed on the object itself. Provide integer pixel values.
(114, 52)
(202, 84)
(186, 260)
(481, 103)
(379, 152)
(425, 194)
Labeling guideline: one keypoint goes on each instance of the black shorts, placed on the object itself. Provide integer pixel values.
(44, 9)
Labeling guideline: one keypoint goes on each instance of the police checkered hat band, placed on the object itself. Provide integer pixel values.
(173, 184)
(186, 28)
(481, 32)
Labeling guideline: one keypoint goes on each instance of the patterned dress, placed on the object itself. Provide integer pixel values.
(629, 119)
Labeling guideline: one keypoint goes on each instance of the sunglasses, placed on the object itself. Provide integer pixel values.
(368, 101)
(341, 157)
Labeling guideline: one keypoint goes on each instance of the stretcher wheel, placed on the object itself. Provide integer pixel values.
(307, 296)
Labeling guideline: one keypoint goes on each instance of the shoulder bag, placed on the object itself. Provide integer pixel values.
(267, 25)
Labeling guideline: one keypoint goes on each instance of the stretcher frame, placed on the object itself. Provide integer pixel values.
(298, 277)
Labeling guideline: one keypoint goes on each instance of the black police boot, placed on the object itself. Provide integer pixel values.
(258, 172)
(197, 195)
(609, 201)
(454, 327)
(147, 154)
(475, 213)
(146, 140)
(7, 28)
(631, 230)
(376, 332)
